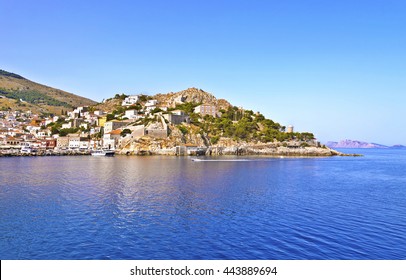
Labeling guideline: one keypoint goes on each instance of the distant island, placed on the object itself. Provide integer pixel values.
(355, 144)
(40, 119)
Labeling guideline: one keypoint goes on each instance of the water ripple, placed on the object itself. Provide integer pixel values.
(172, 208)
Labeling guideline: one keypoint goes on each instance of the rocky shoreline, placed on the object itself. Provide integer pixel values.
(264, 150)
(257, 150)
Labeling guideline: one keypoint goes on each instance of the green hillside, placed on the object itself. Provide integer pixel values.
(29, 95)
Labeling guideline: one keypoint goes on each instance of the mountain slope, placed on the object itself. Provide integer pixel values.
(19, 93)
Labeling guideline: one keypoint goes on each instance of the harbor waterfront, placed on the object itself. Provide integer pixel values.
(225, 207)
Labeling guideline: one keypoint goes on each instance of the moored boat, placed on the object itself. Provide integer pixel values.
(107, 153)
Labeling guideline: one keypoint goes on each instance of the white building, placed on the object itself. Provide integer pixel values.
(66, 125)
(77, 142)
(113, 125)
(99, 113)
(43, 133)
(131, 114)
(151, 105)
(111, 139)
(48, 121)
(130, 100)
(80, 110)
(84, 144)
(206, 109)
(151, 102)
(74, 142)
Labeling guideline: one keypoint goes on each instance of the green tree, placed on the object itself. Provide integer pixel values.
(156, 110)
(120, 96)
(183, 129)
(143, 98)
(187, 107)
(125, 132)
(214, 140)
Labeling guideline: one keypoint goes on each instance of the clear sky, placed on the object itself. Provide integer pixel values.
(335, 68)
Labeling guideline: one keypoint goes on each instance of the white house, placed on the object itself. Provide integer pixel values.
(84, 143)
(80, 110)
(43, 133)
(99, 113)
(150, 105)
(74, 142)
(206, 109)
(111, 139)
(77, 142)
(48, 121)
(113, 125)
(66, 125)
(131, 114)
(33, 129)
(130, 100)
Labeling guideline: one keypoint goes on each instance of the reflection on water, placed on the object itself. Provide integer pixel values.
(174, 208)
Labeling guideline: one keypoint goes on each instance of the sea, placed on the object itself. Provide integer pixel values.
(227, 208)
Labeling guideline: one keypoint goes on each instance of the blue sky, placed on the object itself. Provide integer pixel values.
(335, 68)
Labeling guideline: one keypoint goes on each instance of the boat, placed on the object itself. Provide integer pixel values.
(107, 153)
(26, 150)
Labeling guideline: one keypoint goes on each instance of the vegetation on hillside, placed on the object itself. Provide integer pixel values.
(9, 74)
(33, 97)
(187, 107)
(244, 125)
(56, 128)
(36, 97)
(234, 123)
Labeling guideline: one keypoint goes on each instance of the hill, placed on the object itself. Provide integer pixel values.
(191, 95)
(355, 144)
(225, 126)
(19, 93)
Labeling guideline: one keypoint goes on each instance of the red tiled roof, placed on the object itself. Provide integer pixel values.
(116, 131)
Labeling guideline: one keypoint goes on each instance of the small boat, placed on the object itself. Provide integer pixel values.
(107, 153)
(26, 150)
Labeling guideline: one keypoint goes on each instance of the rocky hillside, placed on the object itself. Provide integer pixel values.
(19, 93)
(354, 144)
(191, 95)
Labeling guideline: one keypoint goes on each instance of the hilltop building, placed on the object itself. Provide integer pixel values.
(206, 109)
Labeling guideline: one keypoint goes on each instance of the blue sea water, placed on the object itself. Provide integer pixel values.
(175, 208)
